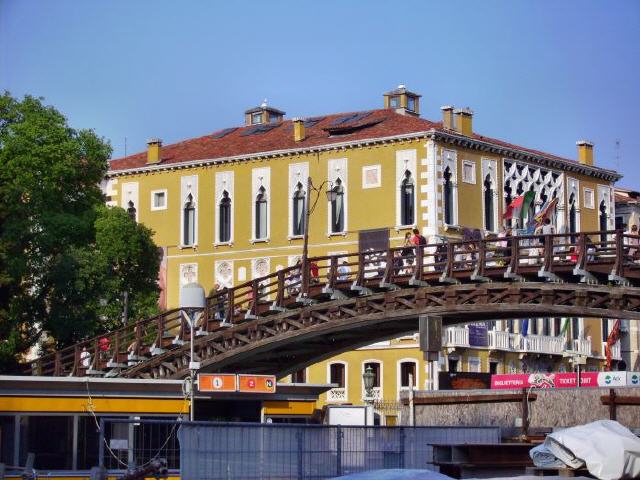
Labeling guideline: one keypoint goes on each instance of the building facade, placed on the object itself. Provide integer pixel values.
(229, 206)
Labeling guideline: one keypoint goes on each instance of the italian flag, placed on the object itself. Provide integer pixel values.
(519, 206)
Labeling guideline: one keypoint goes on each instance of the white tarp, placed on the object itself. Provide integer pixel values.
(607, 449)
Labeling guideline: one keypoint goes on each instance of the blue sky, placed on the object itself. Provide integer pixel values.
(541, 74)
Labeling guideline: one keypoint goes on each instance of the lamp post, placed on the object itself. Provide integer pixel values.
(368, 378)
(331, 196)
(192, 302)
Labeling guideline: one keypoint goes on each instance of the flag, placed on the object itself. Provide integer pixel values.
(546, 211)
(528, 199)
(525, 327)
(513, 209)
(565, 327)
(613, 337)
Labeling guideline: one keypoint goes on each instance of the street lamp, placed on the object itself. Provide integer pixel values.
(331, 196)
(368, 378)
(192, 303)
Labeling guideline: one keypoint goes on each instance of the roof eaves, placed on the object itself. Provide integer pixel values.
(266, 154)
(546, 160)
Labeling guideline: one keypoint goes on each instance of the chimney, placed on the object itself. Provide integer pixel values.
(585, 152)
(153, 151)
(298, 130)
(464, 117)
(447, 117)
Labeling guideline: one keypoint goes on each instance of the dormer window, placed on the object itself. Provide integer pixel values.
(256, 118)
(411, 103)
(394, 102)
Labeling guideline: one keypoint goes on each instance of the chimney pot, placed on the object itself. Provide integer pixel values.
(447, 117)
(154, 147)
(585, 152)
(298, 130)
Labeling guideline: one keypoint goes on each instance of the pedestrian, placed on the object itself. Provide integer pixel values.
(418, 239)
(632, 240)
(343, 271)
(315, 272)
(85, 358)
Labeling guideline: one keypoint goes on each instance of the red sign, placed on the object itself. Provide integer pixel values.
(543, 380)
(257, 383)
(217, 382)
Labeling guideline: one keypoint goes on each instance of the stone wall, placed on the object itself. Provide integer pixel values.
(553, 408)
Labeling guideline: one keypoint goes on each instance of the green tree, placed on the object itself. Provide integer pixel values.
(52, 263)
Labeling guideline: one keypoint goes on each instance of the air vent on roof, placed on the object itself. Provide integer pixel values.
(352, 118)
(223, 133)
(260, 129)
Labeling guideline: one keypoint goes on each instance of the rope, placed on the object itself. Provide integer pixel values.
(92, 410)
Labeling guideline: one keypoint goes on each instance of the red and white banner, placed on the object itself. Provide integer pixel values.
(558, 380)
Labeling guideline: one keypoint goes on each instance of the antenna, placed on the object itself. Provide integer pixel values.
(125, 146)
(618, 154)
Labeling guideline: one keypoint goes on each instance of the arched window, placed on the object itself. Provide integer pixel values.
(407, 197)
(337, 208)
(131, 210)
(408, 374)
(603, 220)
(489, 222)
(375, 368)
(224, 212)
(337, 374)
(573, 215)
(299, 210)
(261, 213)
(447, 192)
(189, 219)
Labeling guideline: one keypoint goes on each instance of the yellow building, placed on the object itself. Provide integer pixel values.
(229, 206)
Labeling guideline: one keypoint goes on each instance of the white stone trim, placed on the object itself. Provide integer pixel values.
(589, 198)
(260, 177)
(490, 167)
(473, 179)
(130, 191)
(406, 160)
(189, 186)
(346, 376)
(337, 169)
(224, 181)
(381, 388)
(298, 173)
(152, 196)
(431, 189)
(416, 381)
(605, 193)
(573, 188)
(450, 160)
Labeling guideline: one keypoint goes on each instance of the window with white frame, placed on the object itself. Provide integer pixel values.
(376, 368)
(224, 202)
(407, 200)
(589, 198)
(371, 176)
(338, 205)
(337, 374)
(408, 372)
(489, 207)
(189, 211)
(298, 206)
(189, 219)
(261, 181)
(159, 200)
(468, 171)
(449, 188)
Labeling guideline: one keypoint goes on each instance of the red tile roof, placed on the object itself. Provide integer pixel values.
(377, 124)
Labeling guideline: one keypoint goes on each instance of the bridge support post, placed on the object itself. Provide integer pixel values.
(430, 330)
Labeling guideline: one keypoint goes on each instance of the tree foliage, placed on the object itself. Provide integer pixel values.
(59, 246)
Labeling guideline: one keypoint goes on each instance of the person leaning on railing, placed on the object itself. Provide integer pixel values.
(632, 243)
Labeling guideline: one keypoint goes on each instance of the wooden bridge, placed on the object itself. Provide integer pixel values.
(300, 315)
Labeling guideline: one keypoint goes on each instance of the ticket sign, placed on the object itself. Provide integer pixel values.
(217, 382)
(257, 383)
(565, 380)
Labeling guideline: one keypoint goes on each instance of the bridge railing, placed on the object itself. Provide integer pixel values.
(598, 252)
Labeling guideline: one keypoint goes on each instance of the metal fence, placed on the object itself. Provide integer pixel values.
(208, 450)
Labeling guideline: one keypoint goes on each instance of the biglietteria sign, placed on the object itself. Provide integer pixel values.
(565, 380)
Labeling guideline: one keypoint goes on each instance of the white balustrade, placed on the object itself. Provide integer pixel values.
(457, 337)
(337, 395)
(499, 340)
(616, 350)
(376, 394)
(582, 346)
(543, 344)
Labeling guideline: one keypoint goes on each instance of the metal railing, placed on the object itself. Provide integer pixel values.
(577, 256)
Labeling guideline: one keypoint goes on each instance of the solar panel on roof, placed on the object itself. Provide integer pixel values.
(224, 133)
(259, 129)
(353, 117)
(310, 122)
